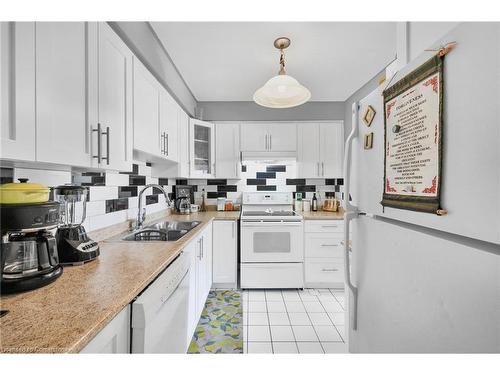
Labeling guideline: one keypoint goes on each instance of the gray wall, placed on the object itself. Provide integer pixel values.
(143, 41)
(242, 111)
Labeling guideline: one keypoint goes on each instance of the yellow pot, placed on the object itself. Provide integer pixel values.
(23, 192)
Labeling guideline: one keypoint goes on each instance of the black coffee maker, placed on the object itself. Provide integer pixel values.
(29, 257)
(73, 244)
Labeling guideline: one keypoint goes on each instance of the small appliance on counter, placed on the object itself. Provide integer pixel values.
(183, 205)
(73, 244)
(29, 258)
(183, 198)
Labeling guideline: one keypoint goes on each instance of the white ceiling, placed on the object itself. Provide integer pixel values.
(228, 61)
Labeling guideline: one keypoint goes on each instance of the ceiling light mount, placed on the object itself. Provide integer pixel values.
(282, 91)
(282, 43)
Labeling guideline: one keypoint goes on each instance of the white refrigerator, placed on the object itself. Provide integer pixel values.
(418, 282)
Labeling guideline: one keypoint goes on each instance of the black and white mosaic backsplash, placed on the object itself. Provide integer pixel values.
(113, 197)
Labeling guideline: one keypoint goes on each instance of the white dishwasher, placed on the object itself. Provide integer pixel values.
(160, 313)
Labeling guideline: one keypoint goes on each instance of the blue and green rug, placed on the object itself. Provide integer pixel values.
(220, 329)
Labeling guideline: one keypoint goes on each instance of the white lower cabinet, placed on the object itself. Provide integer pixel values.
(203, 267)
(114, 338)
(225, 253)
(191, 251)
(324, 253)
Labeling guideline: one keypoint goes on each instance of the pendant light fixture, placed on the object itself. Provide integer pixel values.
(282, 91)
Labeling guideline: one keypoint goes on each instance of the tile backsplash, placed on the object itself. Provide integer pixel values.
(113, 196)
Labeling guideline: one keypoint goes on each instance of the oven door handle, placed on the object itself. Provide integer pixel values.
(267, 224)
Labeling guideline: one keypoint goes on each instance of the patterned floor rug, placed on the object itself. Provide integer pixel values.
(220, 329)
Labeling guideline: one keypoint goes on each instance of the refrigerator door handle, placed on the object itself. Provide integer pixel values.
(351, 213)
(347, 268)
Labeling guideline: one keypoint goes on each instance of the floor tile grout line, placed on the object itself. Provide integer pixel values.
(314, 328)
(328, 315)
(289, 320)
(268, 322)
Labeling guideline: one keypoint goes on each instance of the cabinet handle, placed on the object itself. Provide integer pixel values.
(107, 145)
(317, 167)
(166, 144)
(99, 131)
(329, 245)
(202, 250)
(162, 144)
(266, 142)
(199, 249)
(329, 269)
(329, 226)
(322, 169)
(270, 142)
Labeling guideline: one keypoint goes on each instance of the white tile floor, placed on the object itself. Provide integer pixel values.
(294, 321)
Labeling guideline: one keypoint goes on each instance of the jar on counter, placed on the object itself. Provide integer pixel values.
(229, 206)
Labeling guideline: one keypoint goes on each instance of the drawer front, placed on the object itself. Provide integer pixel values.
(324, 245)
(324, 226)
(324, 271)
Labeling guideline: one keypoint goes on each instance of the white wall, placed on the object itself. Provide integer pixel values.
(422, 35)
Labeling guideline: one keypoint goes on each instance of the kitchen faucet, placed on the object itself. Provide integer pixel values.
(141, 212)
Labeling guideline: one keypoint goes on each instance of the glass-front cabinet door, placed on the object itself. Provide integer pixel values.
(202, 151)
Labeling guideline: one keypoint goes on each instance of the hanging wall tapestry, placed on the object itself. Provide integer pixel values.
(413, 123)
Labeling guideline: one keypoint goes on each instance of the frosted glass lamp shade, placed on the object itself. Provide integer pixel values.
(281, 91)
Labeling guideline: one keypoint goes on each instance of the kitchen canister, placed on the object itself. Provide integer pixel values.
(306, 205)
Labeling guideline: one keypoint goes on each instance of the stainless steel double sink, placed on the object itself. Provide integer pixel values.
(162, 231)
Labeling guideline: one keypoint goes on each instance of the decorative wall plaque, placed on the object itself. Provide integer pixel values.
(413, 123)
(369, 115)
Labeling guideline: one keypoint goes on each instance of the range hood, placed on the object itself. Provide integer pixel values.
(268, 155)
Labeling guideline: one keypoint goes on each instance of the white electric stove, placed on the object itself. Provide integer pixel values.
(272, 244)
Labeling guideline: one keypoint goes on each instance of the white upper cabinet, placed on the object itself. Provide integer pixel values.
(112, 147)
(146, 111)
(268, 137)
(156, 118)
(202, 152)
(320, 150)
(254, 137)
(308, 153)
(282, 137)
(17, 90)
(169, 125)
(227, 150)
(61, 93)
(331, 145)
(183, 142)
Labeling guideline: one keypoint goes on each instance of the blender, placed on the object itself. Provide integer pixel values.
(73, 244)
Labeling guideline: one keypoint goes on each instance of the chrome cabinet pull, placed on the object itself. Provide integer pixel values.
(162, 144)
(329, 226)
(266, 142)
(329, 245)
(99, 131)
(270, 142)
(166, 144)
(329, 269)
(317, 167)
(322, 169)
(107, 145)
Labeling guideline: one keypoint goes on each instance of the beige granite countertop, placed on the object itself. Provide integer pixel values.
(65, 315)
(324, 215)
